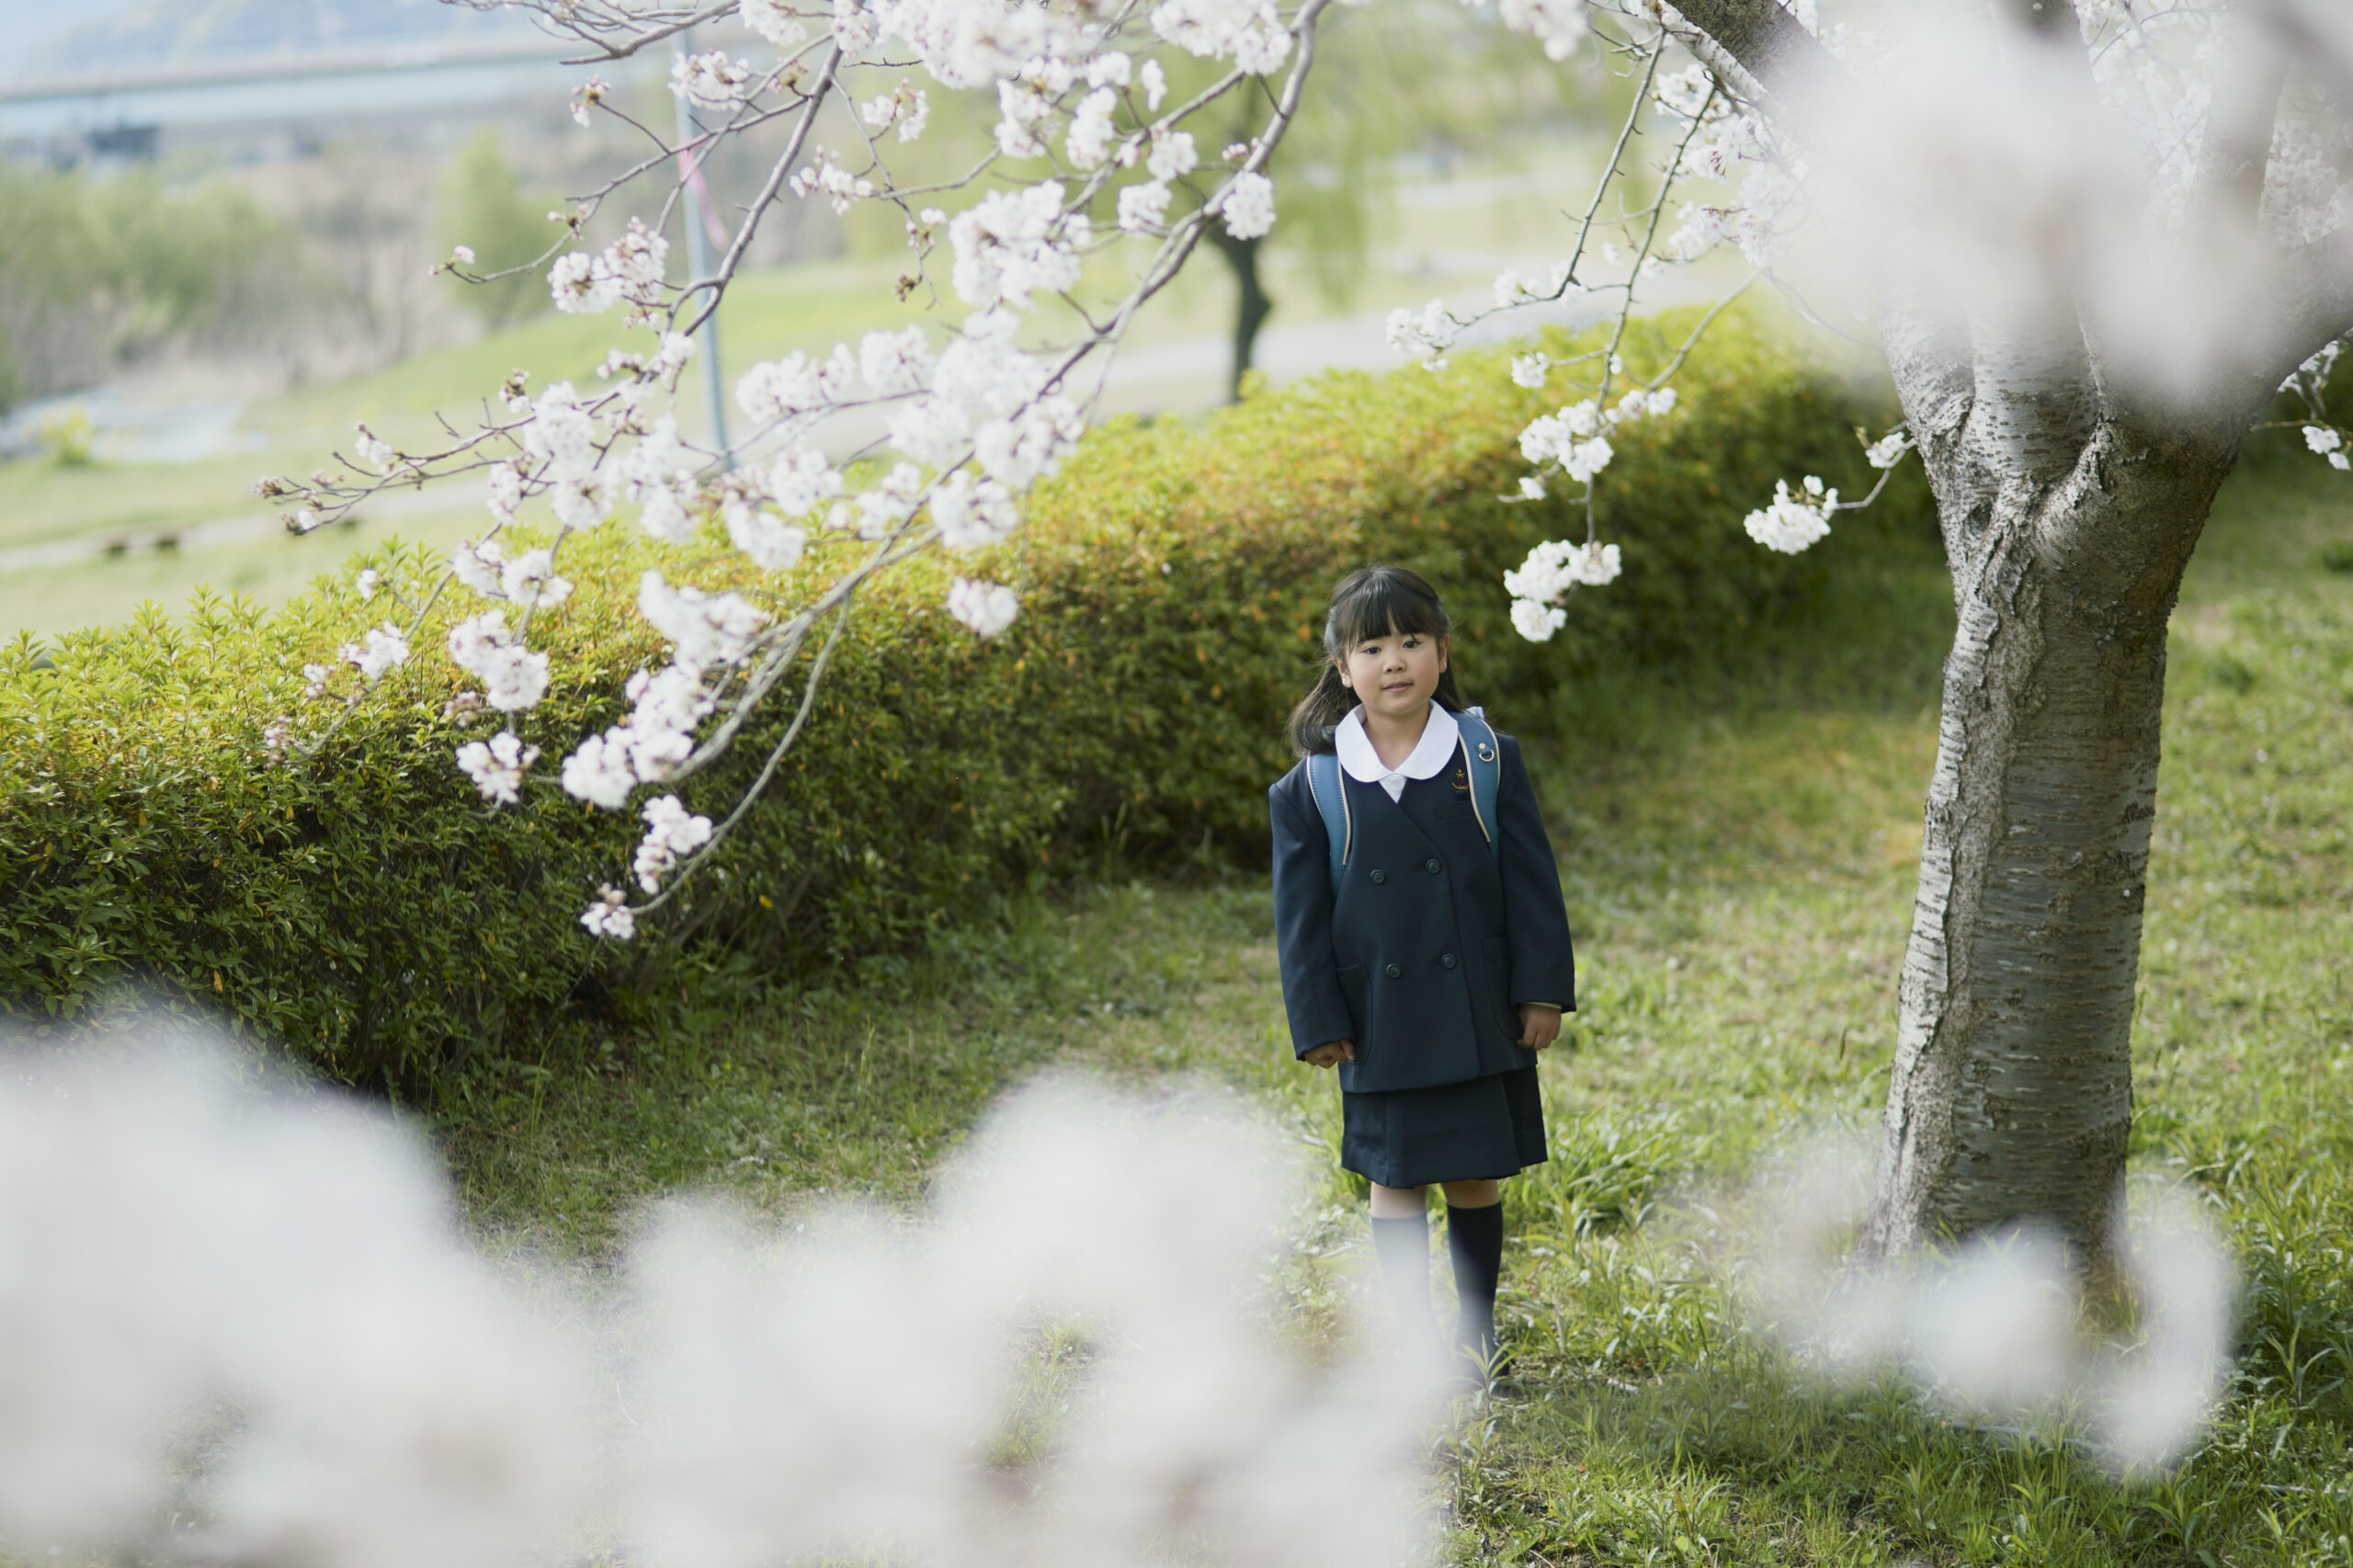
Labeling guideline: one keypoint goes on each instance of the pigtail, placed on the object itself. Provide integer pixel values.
(1319, 712)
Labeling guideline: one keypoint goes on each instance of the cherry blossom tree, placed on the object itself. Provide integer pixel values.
(2101, 236)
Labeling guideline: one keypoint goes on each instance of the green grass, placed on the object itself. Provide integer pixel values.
(1739, 853)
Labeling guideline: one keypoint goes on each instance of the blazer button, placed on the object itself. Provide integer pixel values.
(1447, 959)
(1431, 867)
(1394, 972)
(1379, 877)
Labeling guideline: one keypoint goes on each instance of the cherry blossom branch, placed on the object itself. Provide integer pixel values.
(970, 426)
(767, 769)
(717, 283)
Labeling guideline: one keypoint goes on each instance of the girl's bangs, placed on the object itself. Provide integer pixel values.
(1385, 603)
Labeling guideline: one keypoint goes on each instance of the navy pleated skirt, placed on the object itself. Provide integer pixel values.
(1478, 1129)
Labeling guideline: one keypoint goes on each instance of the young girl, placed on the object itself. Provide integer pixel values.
(1428, 959)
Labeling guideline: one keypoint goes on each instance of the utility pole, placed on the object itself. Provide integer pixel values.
(698, 218)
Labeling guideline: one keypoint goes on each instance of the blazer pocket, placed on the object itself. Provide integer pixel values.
(1499, 977)
(1351, 978)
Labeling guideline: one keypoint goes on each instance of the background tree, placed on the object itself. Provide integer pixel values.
(1392, 82)
(484, 207)
(97, 274)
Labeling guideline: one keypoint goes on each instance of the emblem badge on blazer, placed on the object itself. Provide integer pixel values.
(1461, 781)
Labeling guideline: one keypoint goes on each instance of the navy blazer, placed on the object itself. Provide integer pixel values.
(1423, 958)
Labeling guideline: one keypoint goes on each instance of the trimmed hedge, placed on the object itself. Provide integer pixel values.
(363, 908)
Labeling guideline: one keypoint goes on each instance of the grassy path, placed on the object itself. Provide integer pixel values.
(1740, 876)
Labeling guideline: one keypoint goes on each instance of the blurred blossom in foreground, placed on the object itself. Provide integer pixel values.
(2060, 209)
(259, 1306)
(1995, 1329)
(270, 1290)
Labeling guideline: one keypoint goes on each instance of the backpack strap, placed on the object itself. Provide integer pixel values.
(1483, 756)
(1331, 795)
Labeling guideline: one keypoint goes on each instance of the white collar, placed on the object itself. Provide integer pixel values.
(1430, 755)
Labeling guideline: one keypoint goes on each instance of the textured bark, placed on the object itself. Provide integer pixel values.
(2067, 525)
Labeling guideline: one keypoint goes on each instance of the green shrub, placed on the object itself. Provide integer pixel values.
(362, 906)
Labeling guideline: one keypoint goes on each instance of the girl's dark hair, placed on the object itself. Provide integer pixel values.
(1380, 601)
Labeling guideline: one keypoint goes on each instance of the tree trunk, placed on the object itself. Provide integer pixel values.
(1252, 304)
(2012, 1091)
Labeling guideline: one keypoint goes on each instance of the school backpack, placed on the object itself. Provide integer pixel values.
(1483, 757)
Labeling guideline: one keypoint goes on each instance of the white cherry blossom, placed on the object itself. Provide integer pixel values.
(577, 287)
(1021, 450)
(671, 832)
(1794, 523)
(631, 268)
(856, 26)
(1143, 208)
(712, 80)
(1535, 622)
(481, 566)
(825, 175)
(894, 363)
(773, 544)
(1558, 25)
(1889, 450)
(905, 107)
(972, 514)
(610, 916)
(1425, 335)
(773, 22)
(801, 480)
(1247, 31)
(708, 629)
(498, 766)
(782, 389)
(530, 579)
(1025, 119)
(987, 608)
(505, 485)
(1555, 566)
(562, 434)
(514, 678)
(1091, 131)
(1249, 206)
(1172, 155)
(1512, 289)
(891, 503)
(375, 453)
(1016, 244)
(599, 770)
(386, 649)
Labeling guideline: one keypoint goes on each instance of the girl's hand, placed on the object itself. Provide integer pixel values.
(1334, 1050)
(1540, 1026)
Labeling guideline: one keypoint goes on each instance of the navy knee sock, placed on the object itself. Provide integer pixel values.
(1474, 1240)
(1403, 1245)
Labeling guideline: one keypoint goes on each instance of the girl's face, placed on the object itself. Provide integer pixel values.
(1395, 675)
